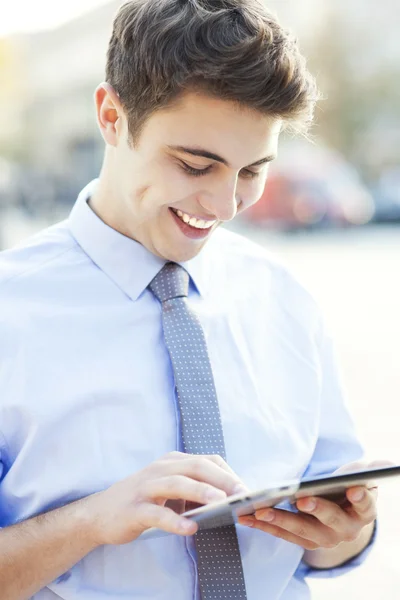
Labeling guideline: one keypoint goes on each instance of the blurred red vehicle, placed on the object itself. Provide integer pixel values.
(310, 186)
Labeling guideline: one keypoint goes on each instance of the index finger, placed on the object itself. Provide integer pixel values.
(215, 458)
(211, 469)
(218, 460)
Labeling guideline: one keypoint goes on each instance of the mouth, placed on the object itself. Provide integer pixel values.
(191, 226)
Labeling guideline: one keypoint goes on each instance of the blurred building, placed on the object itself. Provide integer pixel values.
(356, 55)
(64, 67)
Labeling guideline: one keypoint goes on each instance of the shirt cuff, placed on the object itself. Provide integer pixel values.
(307, 571)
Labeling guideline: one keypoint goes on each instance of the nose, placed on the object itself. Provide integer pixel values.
(224, 200)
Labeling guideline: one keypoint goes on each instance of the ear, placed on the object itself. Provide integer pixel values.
(109, 113)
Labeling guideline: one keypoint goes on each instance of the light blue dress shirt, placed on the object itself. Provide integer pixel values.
(87, 394)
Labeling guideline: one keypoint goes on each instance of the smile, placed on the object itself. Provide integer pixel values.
(193, 221)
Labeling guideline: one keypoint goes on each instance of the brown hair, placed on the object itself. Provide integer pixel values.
(232, 49)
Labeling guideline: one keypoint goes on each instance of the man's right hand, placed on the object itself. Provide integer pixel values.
(129, 507)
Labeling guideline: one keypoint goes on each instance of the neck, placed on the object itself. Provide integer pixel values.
(104, 203)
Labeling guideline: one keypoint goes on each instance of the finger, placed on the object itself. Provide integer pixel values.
(250, 521)
(302, 526)
(363, 466)
(381, 464)
(352, 467)
(180, 487)
(218, 460)
(152, 515)
(208, 470)
(363, 503)
(215, 458)
(332, 516)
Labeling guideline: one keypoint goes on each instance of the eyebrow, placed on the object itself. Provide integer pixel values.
(206, 154)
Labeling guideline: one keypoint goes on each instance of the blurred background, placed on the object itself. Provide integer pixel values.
(331, 208)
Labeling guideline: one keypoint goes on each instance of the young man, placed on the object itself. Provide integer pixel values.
(149, 359)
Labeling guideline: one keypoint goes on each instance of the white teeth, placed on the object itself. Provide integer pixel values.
(193, 222)
(205, 224)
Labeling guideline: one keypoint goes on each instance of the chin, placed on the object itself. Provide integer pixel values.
(183, 255)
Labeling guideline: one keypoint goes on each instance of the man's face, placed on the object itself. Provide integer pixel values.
(194, 167)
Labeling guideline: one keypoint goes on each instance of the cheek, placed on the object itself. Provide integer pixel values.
(251, 193)
(174, 187)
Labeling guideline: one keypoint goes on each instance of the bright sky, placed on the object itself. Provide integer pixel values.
(32, 15)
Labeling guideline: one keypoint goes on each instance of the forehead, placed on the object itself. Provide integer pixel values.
(240, 134)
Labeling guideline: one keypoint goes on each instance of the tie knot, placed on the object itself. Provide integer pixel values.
(171, 282)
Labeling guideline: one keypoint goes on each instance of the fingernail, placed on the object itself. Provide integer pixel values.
(239, 489)
(186, 525)
(268, 516)
(309, 506)
(358, 495)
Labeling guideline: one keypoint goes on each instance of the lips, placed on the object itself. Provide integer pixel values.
(187, 229)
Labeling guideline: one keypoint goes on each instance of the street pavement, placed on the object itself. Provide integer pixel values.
(355, 276)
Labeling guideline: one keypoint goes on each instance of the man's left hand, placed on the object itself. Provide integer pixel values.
(322, 523)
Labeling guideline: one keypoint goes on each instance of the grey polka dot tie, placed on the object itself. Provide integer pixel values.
(218, 555)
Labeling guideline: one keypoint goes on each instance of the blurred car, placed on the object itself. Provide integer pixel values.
(387, 197)
(311, 187)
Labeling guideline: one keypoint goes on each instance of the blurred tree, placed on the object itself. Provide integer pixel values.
(12, 97)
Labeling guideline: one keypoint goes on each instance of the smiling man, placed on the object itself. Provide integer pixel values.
(197, 163)
(150, 360)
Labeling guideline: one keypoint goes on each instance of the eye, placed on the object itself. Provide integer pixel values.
(246, 174)
(195, 172)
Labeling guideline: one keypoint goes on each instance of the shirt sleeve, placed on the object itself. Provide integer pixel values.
(337, 443)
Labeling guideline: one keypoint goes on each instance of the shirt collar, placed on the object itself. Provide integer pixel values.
(129, 264)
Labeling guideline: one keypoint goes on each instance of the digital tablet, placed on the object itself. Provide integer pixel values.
(331, 487)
